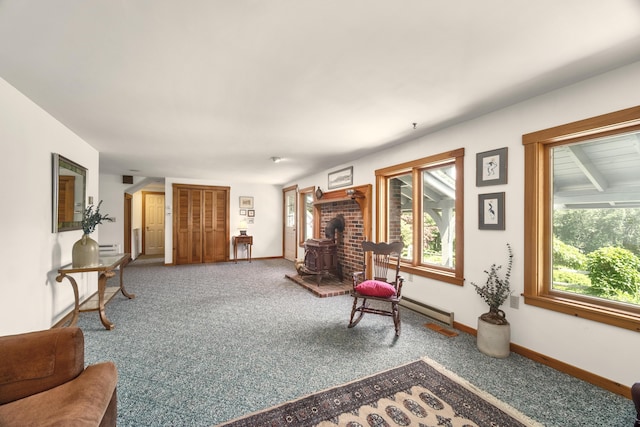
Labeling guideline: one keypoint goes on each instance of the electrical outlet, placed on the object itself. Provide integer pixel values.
(410, 277)
(514, 301)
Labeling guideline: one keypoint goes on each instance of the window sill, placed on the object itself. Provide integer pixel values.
(587, 310)
(432, 273)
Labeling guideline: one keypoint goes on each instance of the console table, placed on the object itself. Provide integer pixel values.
(242, 239)
(105, 270)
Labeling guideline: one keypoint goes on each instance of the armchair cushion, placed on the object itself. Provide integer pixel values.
(79, 402)
(43, 381)
(376, 288)
(37, 361)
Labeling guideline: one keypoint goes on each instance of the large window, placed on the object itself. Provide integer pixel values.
(582, 218)
(421, 204)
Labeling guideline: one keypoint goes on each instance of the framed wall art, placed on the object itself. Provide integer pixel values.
(251, 213)
(340, 178)
(491, 211)
(246, 202)
(243, 212)
(491, 167)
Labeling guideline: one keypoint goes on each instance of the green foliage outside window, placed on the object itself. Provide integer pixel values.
(568, 256)
(595, 252)
(610, 272)
(613, 270)
(591, 229)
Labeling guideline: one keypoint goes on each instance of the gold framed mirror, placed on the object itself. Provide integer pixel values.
(68, 195)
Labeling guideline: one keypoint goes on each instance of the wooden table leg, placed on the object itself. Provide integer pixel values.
(102, 285)
(122, 289)
(235, 251)
(76, 307)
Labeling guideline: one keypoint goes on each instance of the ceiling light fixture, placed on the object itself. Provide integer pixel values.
(276, 159)
(414, 125)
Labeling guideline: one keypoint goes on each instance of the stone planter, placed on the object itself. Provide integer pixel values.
(493, 340)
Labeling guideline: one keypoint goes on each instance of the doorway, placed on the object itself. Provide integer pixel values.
(290, 210)
(153, 223)
(200, 224)
(128, 215)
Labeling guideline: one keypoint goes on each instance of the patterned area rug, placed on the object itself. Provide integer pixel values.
(421, 393)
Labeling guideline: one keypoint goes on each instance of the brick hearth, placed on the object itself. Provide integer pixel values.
(329, 287)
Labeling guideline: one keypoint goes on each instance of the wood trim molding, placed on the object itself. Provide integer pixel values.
(284, 219)
(538, 211)
(603, 125)
(415, 265)
(302, 219)
(433, 160)
(361, 194)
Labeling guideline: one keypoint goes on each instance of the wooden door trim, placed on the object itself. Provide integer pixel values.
(284, 220)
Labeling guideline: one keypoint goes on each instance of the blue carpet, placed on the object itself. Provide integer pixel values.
(203, 344)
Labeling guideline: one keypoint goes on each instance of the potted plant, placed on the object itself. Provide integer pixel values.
(86, 251)
(494, 331)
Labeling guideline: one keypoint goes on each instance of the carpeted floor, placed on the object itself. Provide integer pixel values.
(204, 344)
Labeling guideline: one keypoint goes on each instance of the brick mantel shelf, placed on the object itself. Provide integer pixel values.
(361, 195)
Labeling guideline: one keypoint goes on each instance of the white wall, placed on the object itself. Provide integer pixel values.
(112, 195)
(30, 254)
(266, 229)
(601, 349)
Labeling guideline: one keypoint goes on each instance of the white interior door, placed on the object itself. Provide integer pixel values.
(290, 215)
(154, 223)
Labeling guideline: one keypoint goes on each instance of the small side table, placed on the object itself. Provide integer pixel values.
(97, 301)
(242, 239)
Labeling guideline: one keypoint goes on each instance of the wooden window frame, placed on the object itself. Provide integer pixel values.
(538, 207)
(415, 167)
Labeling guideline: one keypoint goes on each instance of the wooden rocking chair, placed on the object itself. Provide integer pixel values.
(385, 262)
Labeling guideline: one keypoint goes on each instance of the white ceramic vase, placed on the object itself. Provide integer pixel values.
(493, 340)
(85, 253)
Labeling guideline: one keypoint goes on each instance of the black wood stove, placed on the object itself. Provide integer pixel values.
(321, 259)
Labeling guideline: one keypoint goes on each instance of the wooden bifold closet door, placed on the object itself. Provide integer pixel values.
(201, 224)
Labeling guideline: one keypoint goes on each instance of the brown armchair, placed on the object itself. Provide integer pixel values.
(635, 395)
(43, 381)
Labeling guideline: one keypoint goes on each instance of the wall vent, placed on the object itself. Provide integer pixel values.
(435, 313)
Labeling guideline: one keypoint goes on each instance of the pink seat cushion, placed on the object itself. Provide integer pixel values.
(376, 288)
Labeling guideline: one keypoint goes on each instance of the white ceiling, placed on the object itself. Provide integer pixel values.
(208, 88)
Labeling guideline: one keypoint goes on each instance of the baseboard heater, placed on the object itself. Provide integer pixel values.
(428, 310)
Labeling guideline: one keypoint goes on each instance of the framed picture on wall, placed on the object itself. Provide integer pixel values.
(491, 167)
(246, 202)
(251, 213)
(340, 178)
(243, 212)
(491, 211)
